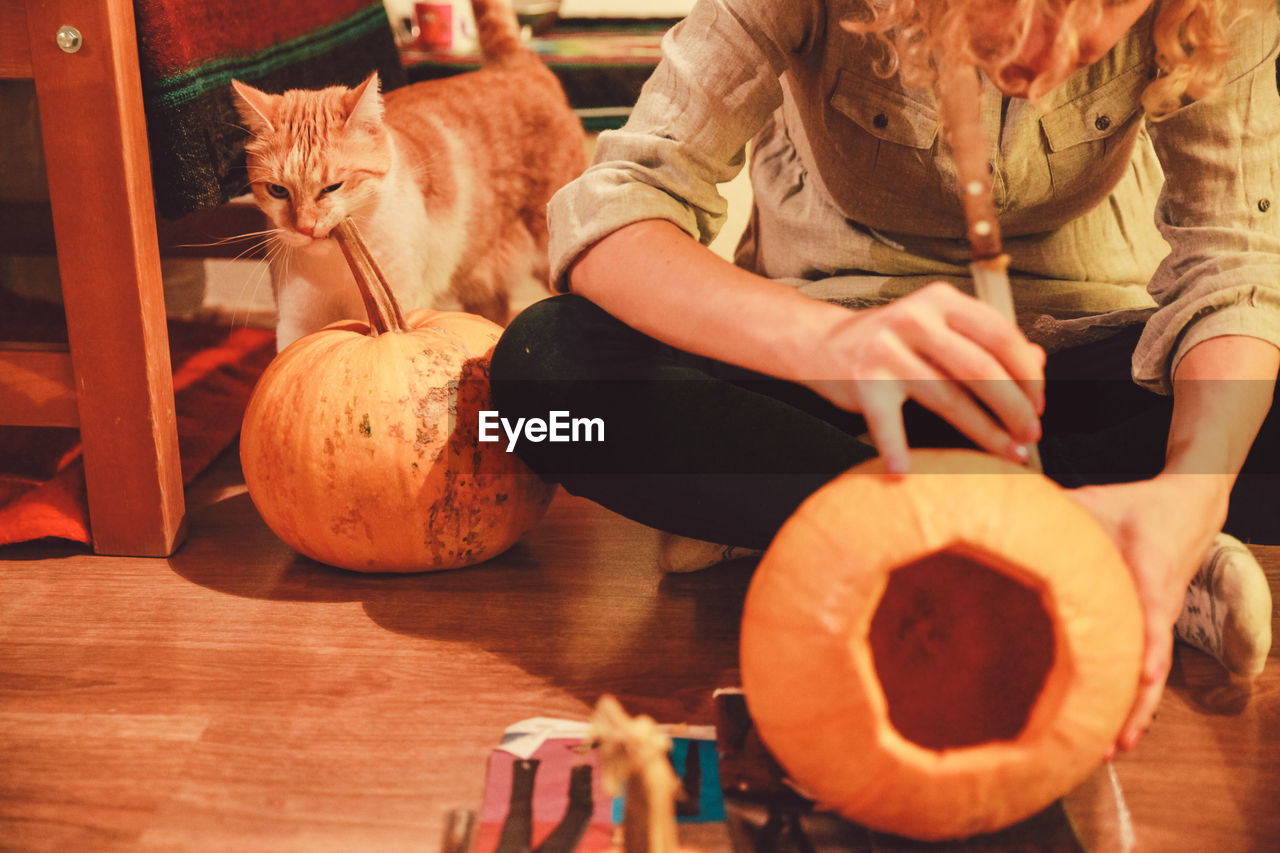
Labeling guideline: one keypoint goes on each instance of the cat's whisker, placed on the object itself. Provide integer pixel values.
(422, 167)
(288, 255)
(269, 237)
(270, 232)
(262, 269)
(263, 266)
(254, 248)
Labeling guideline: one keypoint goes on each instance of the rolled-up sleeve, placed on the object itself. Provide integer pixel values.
(716, 85)
(1219, 210)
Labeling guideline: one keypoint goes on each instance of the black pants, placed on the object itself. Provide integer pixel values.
(709, 450)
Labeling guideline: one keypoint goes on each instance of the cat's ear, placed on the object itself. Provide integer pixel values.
(256, 107)
(364, 104)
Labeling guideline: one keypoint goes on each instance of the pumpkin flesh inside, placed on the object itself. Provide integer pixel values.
(961, 648)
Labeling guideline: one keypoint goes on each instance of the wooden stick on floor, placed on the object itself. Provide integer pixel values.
(633, 756)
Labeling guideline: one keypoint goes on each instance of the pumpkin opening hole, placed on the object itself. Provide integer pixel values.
(961, 649)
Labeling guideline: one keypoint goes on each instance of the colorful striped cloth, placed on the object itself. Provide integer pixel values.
(189, 51)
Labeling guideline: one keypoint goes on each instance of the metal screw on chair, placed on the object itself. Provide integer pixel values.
(69, 39)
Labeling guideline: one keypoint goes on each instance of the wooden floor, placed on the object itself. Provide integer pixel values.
(238, 697)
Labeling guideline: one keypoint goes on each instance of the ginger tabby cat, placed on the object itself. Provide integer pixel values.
(447, 179)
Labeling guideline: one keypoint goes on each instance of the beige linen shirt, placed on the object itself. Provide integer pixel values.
(1109, 218)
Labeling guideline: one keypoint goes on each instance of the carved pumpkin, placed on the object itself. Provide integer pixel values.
(360, 444)
(942, 654)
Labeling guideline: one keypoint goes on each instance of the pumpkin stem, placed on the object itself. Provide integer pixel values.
(379, 302)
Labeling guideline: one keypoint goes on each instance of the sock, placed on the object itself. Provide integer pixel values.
(1227, 609)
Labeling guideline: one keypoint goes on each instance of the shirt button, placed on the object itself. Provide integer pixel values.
(880, 120)
(1264, 205)
(1102, 122)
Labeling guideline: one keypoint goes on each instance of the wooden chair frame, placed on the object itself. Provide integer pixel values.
(114, 381)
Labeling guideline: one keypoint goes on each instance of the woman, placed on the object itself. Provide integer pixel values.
(1135, 156)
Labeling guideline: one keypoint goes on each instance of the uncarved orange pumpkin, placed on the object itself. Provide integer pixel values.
(942, 654)
(360, 446)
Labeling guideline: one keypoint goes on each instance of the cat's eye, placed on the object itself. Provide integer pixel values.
(331, 188)
(277, 191)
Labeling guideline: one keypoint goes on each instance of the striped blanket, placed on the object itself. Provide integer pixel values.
(189, 51)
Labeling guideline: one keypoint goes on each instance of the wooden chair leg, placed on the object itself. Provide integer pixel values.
(104, 222)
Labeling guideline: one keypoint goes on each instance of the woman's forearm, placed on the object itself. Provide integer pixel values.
(659, 280)
(1221, 394)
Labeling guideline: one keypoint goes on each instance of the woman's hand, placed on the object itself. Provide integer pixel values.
(952, 354)
(1163, 528)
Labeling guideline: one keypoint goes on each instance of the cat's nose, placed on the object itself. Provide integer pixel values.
(313, 230)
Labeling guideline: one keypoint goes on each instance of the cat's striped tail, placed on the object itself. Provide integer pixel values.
(497, 30)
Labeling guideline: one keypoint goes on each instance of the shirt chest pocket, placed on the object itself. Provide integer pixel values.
(1089, 140)
(888, 136)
